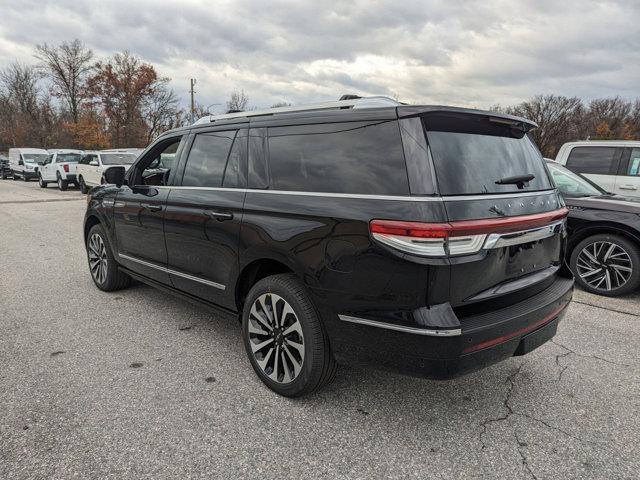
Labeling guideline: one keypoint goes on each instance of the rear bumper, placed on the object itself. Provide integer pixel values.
(71, 177)
(481, 341)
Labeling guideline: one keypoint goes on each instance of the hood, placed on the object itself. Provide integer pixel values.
(618, 203)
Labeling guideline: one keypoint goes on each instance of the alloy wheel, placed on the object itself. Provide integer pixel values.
(60, 183)
(604, 265)
(276, 339)
(97, 258)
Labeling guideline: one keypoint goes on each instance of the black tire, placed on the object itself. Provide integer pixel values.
(13, 175)
(41, 182)
(629, 247)
(82, 185)
(24, 178)
(63, 185)
(113, 279)
(3, 175)
(318, 365)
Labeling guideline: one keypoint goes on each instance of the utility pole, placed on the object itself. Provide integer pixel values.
(193, 104)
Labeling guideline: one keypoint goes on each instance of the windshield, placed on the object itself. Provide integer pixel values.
(69, 157)
(572, 184)
(117, 158)
(38, 158)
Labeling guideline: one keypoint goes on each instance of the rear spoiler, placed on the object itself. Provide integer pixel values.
(494, 117)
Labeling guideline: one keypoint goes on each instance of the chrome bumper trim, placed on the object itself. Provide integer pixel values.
(454, 332)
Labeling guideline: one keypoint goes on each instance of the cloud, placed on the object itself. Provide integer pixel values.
(434, 51)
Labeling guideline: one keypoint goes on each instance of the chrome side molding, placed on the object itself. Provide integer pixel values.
(219, 286)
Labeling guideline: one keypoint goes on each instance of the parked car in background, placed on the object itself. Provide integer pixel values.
(604, 234)
(92, 165)
(336, 235)
(25, 162)
(5, 171)
(60, 167)
(614, 165)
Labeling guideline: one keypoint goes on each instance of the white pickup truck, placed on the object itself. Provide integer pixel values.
(92, 165)
(59, 167)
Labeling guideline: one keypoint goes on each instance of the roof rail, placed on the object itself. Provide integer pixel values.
(355, 103)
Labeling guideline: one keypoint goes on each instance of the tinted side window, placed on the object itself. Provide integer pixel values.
(364, 158)
(595, 160)
(634, 163)
(207, 159)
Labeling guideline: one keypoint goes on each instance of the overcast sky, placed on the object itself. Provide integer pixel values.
(469, 53)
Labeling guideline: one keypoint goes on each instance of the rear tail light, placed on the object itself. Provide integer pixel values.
(459, 238)
(66, 168)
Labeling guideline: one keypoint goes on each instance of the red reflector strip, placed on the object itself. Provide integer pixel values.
(466, 227)
(523, 331)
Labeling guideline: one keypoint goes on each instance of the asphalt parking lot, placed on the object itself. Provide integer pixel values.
(137, 384)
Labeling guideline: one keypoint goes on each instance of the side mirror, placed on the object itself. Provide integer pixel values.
(20, 162)
(115, 175)
(93, 163)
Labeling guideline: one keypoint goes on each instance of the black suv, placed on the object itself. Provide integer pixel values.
(422, 239)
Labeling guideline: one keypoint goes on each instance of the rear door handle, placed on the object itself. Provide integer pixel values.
(151, 208)
(628, 187)
(220, 216)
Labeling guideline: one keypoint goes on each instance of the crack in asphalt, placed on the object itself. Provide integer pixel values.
(48, 200)
(523, 458)
(511, 379)
(625, 312)
(505, 404)
(568, 352)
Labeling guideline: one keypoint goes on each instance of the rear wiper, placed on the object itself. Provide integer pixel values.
(520, 181)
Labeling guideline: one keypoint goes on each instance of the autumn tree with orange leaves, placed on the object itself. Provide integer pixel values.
(123, 88)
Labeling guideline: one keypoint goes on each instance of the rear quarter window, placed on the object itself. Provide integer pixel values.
(350, 157)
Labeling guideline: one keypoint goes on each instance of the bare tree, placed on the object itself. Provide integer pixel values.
(238, 101)
(559, 120)
(67, 66)
(21, 109)
(21, 84)
(160, 110)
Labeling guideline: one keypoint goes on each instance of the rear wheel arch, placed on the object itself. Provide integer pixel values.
(255, 271)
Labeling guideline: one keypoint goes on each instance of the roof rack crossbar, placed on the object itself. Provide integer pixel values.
(365, 102)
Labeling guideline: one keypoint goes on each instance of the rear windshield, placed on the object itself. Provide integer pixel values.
(68, 157)
(471, 163)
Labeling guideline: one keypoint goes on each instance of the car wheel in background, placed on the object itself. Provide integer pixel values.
(41, 182)
(284, 337)
(103, 267)
(606, 264)
(82, 185)
(24, 178)
(13, 175)
(62, 184)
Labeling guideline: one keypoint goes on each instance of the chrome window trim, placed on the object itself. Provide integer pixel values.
(454, 332)
(172, 272)
(404, 198)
